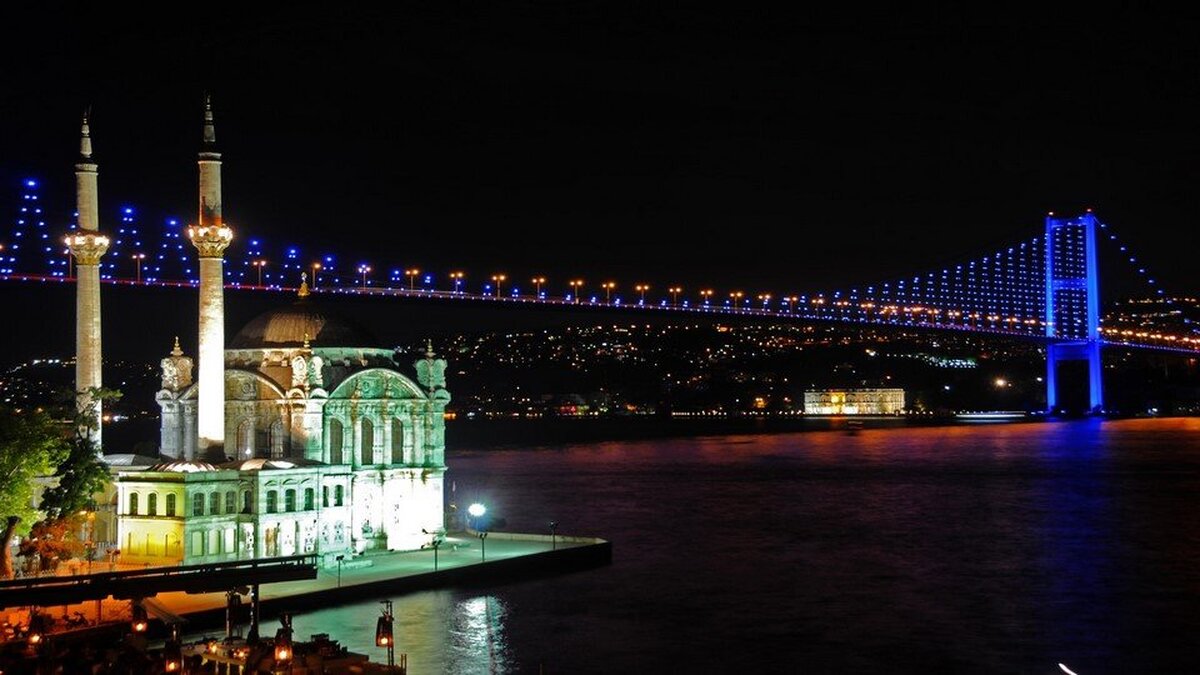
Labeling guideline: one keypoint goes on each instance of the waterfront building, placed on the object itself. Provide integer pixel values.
(302, 437)
(854, 402)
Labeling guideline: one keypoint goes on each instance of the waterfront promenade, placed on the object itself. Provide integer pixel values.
(460, 561)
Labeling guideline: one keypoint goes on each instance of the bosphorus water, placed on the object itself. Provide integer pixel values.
(991, 548)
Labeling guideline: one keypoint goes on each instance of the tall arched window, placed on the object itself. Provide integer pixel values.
(289, 500)
(197, 505)
(133, 503)
(272, 501)
(170, 506)
(245, 439)
(335, 442)
(214, 503)
(367, 445)
(246, 502)
(278, 440)
(309, 499)
(397, 441)
(152, 504)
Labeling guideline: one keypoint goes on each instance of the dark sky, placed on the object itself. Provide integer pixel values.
(728, 148)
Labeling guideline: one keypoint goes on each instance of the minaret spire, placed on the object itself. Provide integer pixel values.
(87, 245)
(210, 130)
(211, 237)
(85, 136)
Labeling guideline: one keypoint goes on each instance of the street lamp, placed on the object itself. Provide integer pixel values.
(537, 282)
(458, 278)
(553, 540)
(412, 277)
(674, 291)
(476, 510)
(364, 269)
(284, 652)
(339, 560)
(139, 623)
(137, 261)
(706, 295)
(608, 287)
(575, 285)
(483, 546)
(641, 288)
(765, 298)
(498, 279)
(316, 268)
(260, 264)
(384, 635)
(736, 296)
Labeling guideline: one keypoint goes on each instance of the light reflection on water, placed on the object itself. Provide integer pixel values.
(1003, 548)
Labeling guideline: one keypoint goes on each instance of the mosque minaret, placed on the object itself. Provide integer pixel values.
(211, 237)
(87, 246)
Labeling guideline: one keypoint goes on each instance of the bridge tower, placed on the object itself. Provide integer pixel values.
(1072, 303)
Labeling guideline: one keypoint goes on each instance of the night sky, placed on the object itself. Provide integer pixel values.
(730, 148)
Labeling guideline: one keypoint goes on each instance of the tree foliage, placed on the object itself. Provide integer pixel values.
(32, 444)
(81, 474)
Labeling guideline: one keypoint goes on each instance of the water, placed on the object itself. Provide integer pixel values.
(1005, 548)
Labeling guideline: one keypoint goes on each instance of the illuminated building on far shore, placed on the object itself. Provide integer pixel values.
(854, 402)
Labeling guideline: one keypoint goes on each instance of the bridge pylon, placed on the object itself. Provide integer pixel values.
(1072, 304)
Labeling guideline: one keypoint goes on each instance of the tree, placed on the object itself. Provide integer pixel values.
(53, 540)
(82, 474)
(32, 444)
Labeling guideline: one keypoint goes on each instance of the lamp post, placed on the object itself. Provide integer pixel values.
(364, 269)
(537, 283)
(384, 634)
(483, 546)
(412, 277)
(553, 540)
(498, 279)
(736, 296)
(575, 285)
(706, 296)
(284, 652)
(458, 278)
(765, 298)
(339, 560)
(316, 268)
(675, 291)
(608, 287)
(476, 511)
(137, 262)
(641, 288)
(260, 264)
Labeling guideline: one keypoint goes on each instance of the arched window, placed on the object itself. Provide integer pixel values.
(170, 506)
(338, 493)
(278, 440)
(324, 496)
(246, 502)
(397, 441)
(214, 503)
(133, 503)
(335, 442)
(245, 439)
(230, 502)
(272, 501)
(289, 500)
(197, 505)
(152, 504)
(309, 499)
(367, 445)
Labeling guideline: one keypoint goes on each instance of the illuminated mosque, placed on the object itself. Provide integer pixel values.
(301, 437)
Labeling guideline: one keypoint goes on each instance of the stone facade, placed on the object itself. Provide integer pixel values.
(854, 402)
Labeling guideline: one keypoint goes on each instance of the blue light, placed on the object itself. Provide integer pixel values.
(30, 183)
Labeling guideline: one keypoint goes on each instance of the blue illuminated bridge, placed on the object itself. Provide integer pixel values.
(1045, 288)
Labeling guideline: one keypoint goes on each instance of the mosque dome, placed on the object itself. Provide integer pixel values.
(261, 463)
(182, 466)
(288, 326)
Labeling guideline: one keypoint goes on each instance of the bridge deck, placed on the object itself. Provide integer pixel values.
(144, 583)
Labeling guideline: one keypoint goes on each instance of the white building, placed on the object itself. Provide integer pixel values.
(854, 402)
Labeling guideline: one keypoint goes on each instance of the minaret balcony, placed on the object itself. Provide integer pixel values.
(210, 240)
(87, 247)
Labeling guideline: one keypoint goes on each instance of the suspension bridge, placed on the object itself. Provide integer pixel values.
(1045, 288)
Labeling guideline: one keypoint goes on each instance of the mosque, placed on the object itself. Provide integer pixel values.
(303, 436)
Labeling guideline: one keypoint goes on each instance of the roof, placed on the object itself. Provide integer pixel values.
(182, 466)
(260, 463)
(289, 326)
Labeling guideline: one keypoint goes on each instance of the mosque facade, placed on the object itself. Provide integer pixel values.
(302, 437)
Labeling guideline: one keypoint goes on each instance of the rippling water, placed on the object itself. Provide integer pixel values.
(1006, 548)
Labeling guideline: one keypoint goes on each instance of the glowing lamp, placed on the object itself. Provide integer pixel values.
(139, 623)
(476, 510)
(173, 657)
(384, 636)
